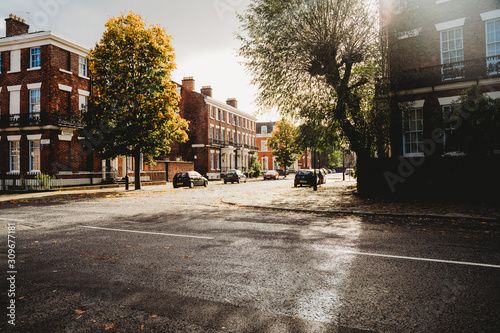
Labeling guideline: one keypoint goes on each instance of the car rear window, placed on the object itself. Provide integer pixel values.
(181, 174)
(304, 173)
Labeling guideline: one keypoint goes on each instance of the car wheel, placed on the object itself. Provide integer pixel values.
(191, 184)
(294, 185)
(205, 183)
(175, 186)
(225, 181)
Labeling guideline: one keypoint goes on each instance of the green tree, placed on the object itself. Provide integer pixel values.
(316, 61)
(134, 107)
(255, 167)
(283, 143)
(475, 118)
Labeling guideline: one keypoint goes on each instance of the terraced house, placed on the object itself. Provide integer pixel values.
(44, 86)
(221, 136)
(434, 50)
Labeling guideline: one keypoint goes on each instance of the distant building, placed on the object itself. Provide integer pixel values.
(266, 157)
(221, 137)
(44, 86)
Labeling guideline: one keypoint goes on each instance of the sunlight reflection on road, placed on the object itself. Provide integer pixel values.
(323, 303)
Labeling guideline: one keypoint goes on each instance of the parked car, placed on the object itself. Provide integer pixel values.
(322, 176)
(190, 179)
(282, 172)
(305, 177)
(234, 176)
(271, 174)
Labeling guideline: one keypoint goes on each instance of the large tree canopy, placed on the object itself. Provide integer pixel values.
(134, 107)
(315, 60)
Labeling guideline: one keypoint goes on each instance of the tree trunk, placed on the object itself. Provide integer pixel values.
(137, 169)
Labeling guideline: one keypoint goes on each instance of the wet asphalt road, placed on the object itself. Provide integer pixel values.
(182, 261)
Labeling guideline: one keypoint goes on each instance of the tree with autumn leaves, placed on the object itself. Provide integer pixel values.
(133, 110)
(283, 143)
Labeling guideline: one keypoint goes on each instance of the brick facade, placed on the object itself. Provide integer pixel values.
(266, 157)
(52, 123)
(428, 76)
(221, 137)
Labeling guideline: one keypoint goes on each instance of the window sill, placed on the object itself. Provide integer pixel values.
(65, 71)
(12, 72)
(33, 68)
(83, 77)
(414, 155)
(15, 172)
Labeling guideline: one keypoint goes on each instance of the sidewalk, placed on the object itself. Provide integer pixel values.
(339, 197)
(335, 197)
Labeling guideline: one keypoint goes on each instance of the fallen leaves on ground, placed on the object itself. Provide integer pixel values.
(110, 326)
(79, 311)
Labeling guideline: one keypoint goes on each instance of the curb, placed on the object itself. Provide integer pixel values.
(360, 213)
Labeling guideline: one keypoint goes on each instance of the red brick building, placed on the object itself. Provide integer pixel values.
(267, 159)
(44, 85)
(221, 137)
(435, 49)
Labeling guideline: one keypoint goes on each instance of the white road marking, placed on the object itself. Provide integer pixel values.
(147, 232)
(419, 259)
(12, 220)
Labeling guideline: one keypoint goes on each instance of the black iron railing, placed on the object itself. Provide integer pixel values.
(40, 119)
(457, 71)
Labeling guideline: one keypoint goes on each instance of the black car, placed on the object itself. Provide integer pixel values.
(190, 179)
(305, 177)
(234, 176)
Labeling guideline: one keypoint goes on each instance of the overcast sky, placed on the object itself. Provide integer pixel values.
(203, 34)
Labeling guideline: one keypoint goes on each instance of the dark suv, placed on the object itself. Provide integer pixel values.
(234, 176)
(190, 179)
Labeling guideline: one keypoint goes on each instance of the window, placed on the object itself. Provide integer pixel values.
(413, 132)
(14, 154)
(83, 66)
(217, 160)
(211, 132)
(452, 53)
(83, 102)
(211, 111)
(35, 101)
(217, 133)
(218, 114)
(493, 46)
(15, 61)
(34, 155)
(263, 129)
(35, 57)
(263, 145)
(222, 134)
(212, 160)
(264, 163)
(222, 115)
(234, 119)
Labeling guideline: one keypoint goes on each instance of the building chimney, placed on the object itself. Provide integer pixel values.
(206, 90)
(15, 25)
(188, 83)
(233, 102)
